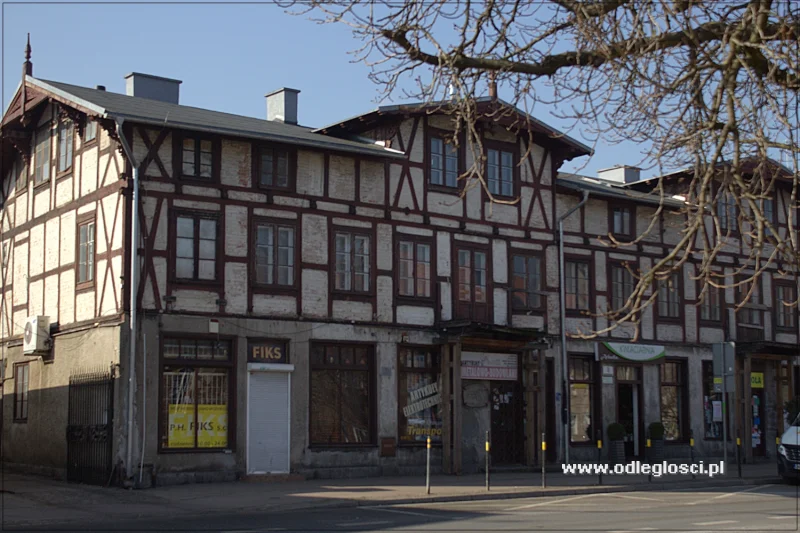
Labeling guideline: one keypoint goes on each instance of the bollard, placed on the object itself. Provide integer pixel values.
(544, 449)
(599, 457)
(691, 449)
(739, 456)
(428, 469)
(650, 460)
(488, 457)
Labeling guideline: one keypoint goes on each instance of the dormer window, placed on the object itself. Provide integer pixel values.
(443, 162)
(274, 167)
(197, 157)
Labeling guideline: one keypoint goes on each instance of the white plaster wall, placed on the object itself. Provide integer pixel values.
(407, 314)
(345, 310)
(445, 204)
(236, 281)
(314, 292)
(236, 231)
(384, 247)
(373, 182)
(236, 166)
(341, 178)
(315, 239)
(499, 261)
(500, 306)
(274, 305)
(310, 173)
(385, 288)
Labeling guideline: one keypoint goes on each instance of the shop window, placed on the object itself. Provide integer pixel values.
(526, 282)
(785, 305)
(621, 286)
(196, 388)
(712, 404)
(418, 396)
(577, 285)
(414, 269)
(669, 297)
(342, 395)
(711, 307)
(21, 380)
(581, 396)
(673, 401)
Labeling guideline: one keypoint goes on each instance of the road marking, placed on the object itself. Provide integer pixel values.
(637, 498)
(375, 523)
(729, 494)
(717, 523)
(792, 517)
(549, 503)
(398, 511)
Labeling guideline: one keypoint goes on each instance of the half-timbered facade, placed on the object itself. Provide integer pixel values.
(322, 301)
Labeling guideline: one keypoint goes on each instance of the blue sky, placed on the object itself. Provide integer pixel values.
(228, 57)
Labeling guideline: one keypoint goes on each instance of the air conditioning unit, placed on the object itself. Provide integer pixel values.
(37, 335)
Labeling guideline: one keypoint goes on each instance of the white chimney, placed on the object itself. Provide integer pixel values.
(620, 174)
(152, 87)
(282, 105)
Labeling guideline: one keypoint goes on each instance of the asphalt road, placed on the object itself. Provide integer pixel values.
(747, 508)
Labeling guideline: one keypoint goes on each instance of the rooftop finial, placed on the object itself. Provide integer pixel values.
(28, 66)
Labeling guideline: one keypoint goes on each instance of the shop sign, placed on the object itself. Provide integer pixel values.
(212, 430)
(267, 351)
(495, 366)
(422, 398)
(624, 351)
(756, 380)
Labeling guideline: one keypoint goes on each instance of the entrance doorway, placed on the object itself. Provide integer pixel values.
(629, 408)
(268, 422)
(506, 414)
(757, 412)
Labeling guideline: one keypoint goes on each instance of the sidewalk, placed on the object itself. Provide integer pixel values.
(35, 501)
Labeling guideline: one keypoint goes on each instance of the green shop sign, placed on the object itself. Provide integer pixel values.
(624, 351)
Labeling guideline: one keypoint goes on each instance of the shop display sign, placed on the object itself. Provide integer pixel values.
(211, 433)
(757, 380)
(494, 366)
(625, 351)
(266, 351)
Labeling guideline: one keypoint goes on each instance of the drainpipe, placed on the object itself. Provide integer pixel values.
(563, 320)
(134, 288)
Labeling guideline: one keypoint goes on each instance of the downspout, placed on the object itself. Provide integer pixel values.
(562, 325)
(134, 288)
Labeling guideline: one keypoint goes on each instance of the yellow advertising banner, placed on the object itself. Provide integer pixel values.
(212, 426)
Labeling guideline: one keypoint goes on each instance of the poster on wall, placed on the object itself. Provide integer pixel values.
(212, 426)
(494, 366)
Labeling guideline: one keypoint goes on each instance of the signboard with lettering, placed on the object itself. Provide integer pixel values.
(494, 366)
(625, 351)
(267, 351)
(757, 380)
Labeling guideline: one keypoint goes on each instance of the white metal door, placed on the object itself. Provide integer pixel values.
(268, 423)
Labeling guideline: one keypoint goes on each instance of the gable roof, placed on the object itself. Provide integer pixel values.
(362, 121)
(156, 113)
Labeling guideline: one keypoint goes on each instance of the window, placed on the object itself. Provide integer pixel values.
(621, 286)
(21, 175)
(342, 395)
(86, 252)
(472, 276)
(196, 394)
(89, 130)
(712, 404)
(418, 396)
(197, 158)
(500, 172)
(768, 211)
(443, 162)
(785, 314)
(577, 285)
(273, 167)
(41, 157)
(750, 313)
(673, 402)
(195, 247)
(414, 269)
(526, 282)
(21, 379)
(275, 254)
(581, 395)
(66, 143)
(352, 262)
(621, 220)
(727, 211)
(711, 307)
(669, 296)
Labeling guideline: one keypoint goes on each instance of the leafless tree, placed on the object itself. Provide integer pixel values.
(708, 85)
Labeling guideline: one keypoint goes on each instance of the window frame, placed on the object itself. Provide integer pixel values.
(21, 405)
(781, 310)
(731, 208)
(230, 365)
(88, 219)
(458, 304)
(21, 178)
(526, 255)
(579, 260)
(631, 208)
(48, 163)
(751, 306)
(291, 166)
(435, 370)
(443, 135)
(591, 383)
(715, 322)
(353, 232)
(682, 383)
(275, 287)
(501, 147)
(678, 292)
(88, 142)
(372, 391)
(198, 138)
(613, 265)
(217, 217)
(415, 240)
(69, 124)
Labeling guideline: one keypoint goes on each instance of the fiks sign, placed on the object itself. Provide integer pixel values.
(267, 352)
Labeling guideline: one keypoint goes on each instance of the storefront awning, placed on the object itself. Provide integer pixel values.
(767, 348)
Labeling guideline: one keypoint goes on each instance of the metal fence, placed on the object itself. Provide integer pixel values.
(89, 427)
